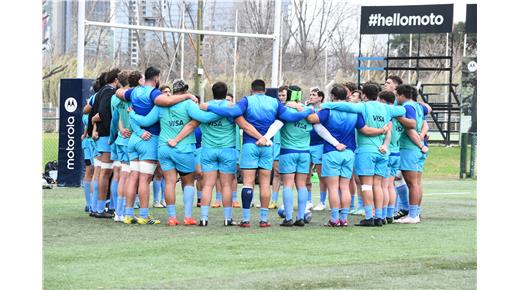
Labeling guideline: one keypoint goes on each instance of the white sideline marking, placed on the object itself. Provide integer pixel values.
(450, 193)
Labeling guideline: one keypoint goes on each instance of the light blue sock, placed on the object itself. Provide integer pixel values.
(143, 212)
(94, 196)
(86, 190)
(199, 194)
(288, 202)
(163, 188)
(419, 210)
(234, 196)
(264, 214)
(385, 209)
(274, 196)
(390, 211)
(113, 194)
(309, 195)
(156, 190)
(344, 214)
(129, 211)
(219, 197)
(413, 211)
(323, 196)
(170, 208)
(189, 192)
(402, 191)
(136, 202)
(359, 201)
(204, 209)
(303, 198)
(119, 206)
(368, 212)
(334, 214)
(101, 205)
(379, 213)
(352, 203)
(228, 213)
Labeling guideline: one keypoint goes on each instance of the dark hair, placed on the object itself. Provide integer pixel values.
(371, 91)
(230, 95)
(414, 93)
(219, 90)
(151, 72)
(372, 83)
(111, 75)
(122, 77)
(404, 90)
(397, 80)
(258, 86)
(133, 78)
(321, 95)
(283, 88)
(95, 86)
(351, 86)
(161, 88)
(387, 96)
(102, 79)
(339, 92)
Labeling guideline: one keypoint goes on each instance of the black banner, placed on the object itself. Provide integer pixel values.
(70, 154)
(406, 19)
(471, 18)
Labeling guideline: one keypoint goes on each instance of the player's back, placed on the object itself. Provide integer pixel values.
(172, 120)
(220, 133)
(376, 116)
(142, 104)
(261, 111)
(405, 141)
(296, 135)
(341, 126)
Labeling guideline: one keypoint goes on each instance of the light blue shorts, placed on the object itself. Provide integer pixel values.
(316, 153)
(276, 151)
(170, 158)
(394, 162)
(221, 159)
(102, 145)
(410, 159)
(142, 149)
(197, 155)
(88, 149)
(295, 163)
(113, 152)
(422, 160)
(254, 157)
(338, 163)
(119, 152)
(371, 163)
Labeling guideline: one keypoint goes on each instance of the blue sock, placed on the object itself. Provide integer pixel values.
(94, 196)
(119, 206)
(143, 212)
(274, 196)
(418, 210)
(379, 213)
(170, 208)
(288, 202)
(323, 196)
(368, 212)
(156, 190)
(163, 188)
(359, 201)
(247, 197)
(199, 194)
(385, 209)
(113, 194)
(204, 209)
(352, 203)
(101, 205)
(402, 191)
(390, 211)
(303, 198)
(228, 213)
(136, 202)
(219, 197)
(413, 211)
(264, 214)
(129, 211)
(344, 214)
(86, 190)
(234, 196)
(189, 191)
(309, 195)
(334, 214)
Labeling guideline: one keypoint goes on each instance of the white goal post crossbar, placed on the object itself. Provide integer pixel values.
(82, 22)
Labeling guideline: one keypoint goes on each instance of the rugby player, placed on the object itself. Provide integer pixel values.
(273, 204)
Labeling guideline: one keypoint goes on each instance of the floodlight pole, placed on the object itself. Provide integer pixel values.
(276, 42)
(81, 38)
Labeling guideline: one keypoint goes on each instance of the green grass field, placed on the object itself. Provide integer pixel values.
(81, 252)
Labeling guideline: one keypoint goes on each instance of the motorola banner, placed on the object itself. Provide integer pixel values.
(406, 19)
(70, 155)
